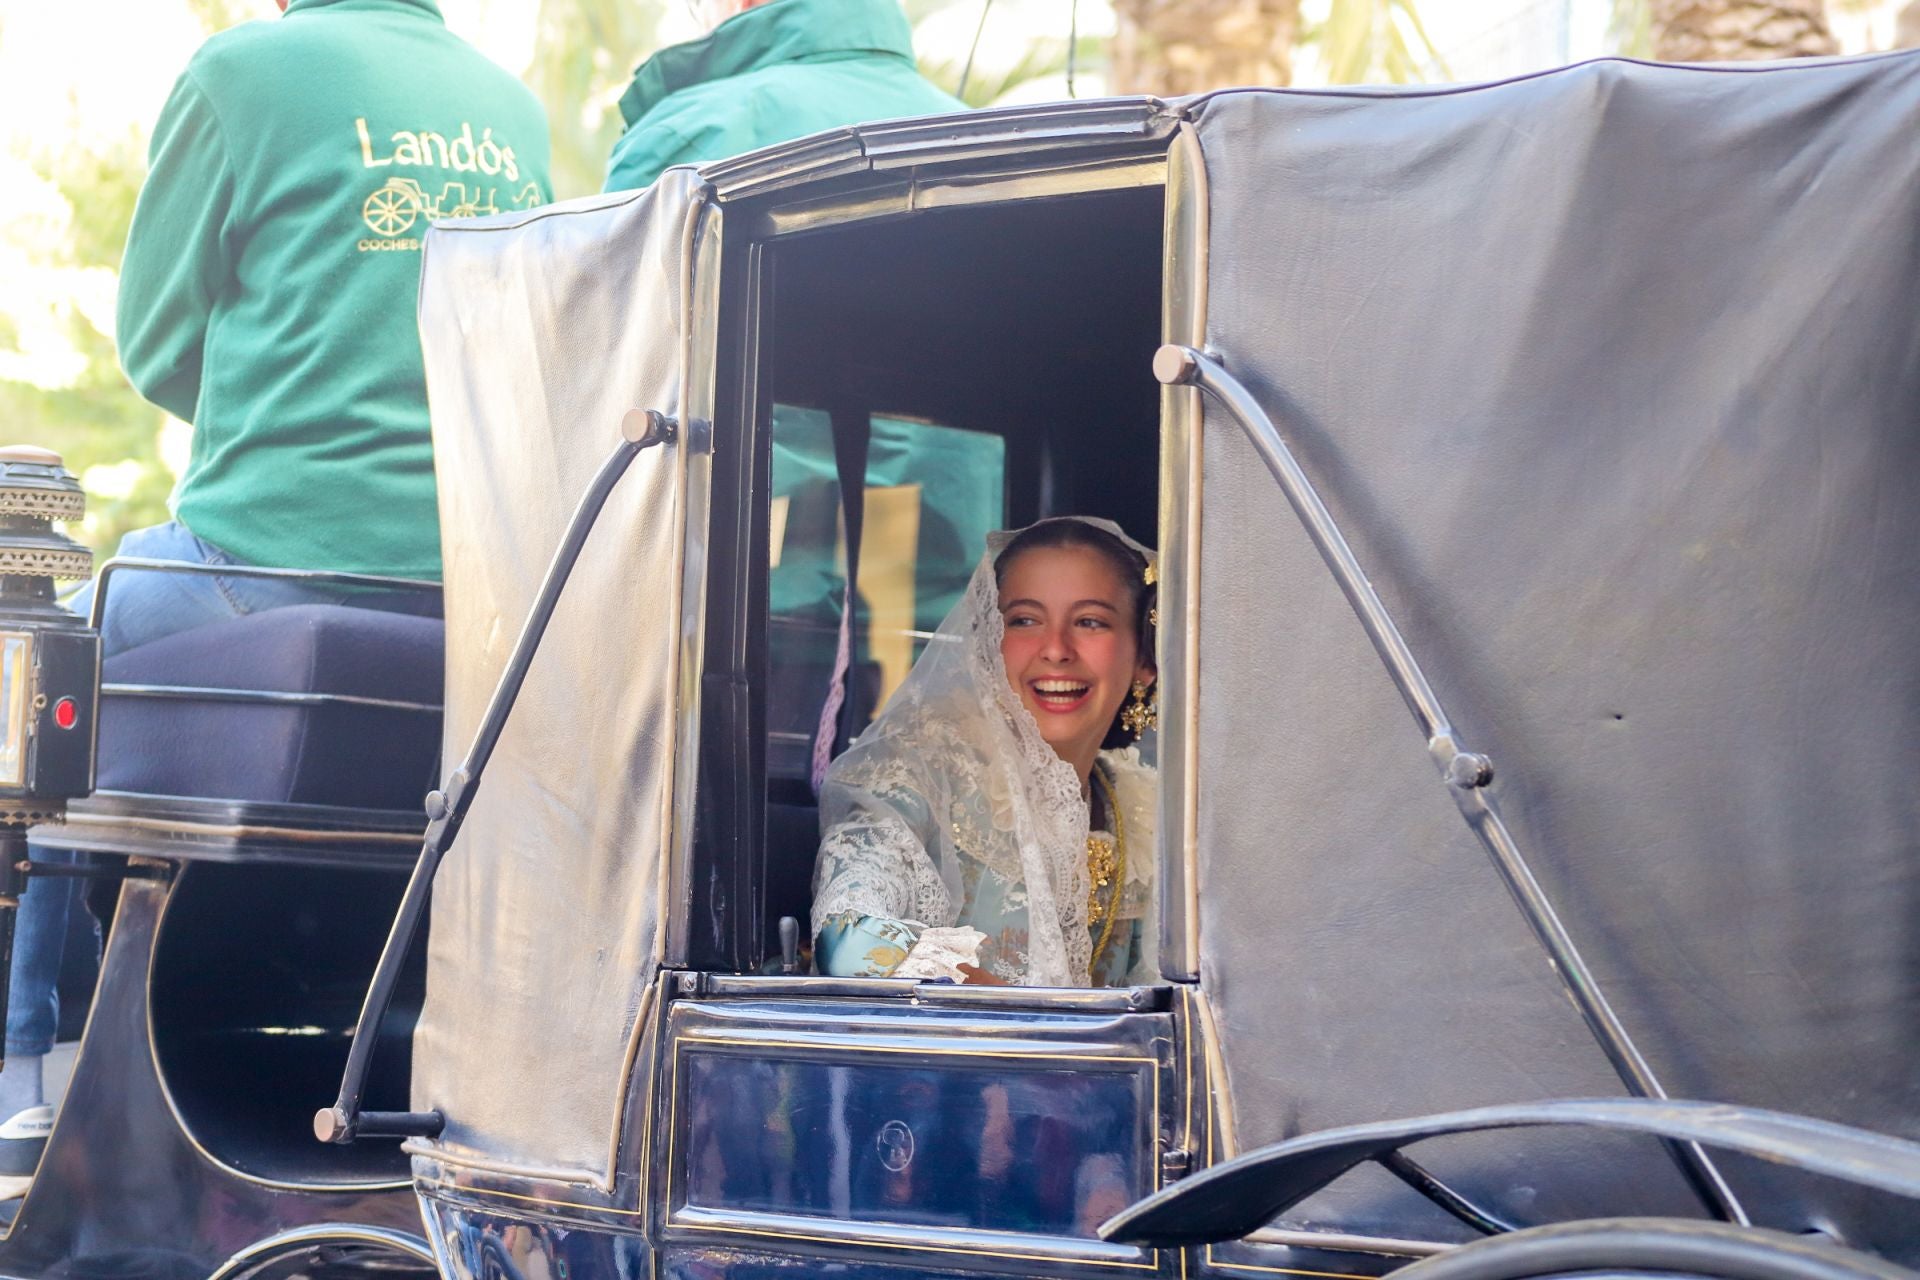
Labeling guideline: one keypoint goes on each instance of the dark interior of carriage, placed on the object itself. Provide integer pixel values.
(258, 974)
(991, 366)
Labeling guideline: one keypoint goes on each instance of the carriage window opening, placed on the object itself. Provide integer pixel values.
(997, 358)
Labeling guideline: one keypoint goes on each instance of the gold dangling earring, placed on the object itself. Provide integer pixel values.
(1142, 713)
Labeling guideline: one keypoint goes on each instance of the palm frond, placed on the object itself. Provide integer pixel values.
(1363, 41)
(584, 54)
(1041, 57)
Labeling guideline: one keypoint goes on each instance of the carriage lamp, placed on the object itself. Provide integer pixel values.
(49, 667)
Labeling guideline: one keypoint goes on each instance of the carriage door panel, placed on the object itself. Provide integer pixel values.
(984, 1138)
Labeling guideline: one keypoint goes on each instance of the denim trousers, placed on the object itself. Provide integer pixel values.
(141, 607)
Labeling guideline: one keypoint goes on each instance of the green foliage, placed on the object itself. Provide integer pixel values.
(1630, 28)
(584, 55)
(99, 419)
(1359, 41)
(987, 85)
(1374, 41)
(218, 15)
(102, 185)
(1043, 57)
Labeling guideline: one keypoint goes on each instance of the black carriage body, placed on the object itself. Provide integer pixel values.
(1607, 375)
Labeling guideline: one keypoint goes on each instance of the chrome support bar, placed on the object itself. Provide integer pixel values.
(1466, 773)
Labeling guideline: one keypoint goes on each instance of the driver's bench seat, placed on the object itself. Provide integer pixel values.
(312, 704)
(306, 734)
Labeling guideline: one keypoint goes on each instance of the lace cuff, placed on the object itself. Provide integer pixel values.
(853, 946)
(939, 953)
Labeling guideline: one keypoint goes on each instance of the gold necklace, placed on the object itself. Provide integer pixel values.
(1105, 861)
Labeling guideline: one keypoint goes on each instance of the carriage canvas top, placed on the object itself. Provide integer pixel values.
(1607, 378)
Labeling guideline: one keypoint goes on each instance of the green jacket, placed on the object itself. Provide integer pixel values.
(773, 73)
(268, 289)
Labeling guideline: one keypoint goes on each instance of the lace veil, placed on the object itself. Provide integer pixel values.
(953, 783)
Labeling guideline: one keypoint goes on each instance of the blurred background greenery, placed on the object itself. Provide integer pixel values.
(80, 82)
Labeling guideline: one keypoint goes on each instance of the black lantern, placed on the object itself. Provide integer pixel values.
(49, 667)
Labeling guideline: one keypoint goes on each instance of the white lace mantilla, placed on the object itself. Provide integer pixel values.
(952, 788)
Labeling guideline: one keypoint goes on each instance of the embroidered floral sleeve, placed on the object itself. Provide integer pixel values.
(852, 946)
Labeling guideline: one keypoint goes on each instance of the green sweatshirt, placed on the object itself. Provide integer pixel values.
(773, 73)
(268, 290)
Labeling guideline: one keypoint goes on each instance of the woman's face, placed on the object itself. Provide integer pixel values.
(1070, 647)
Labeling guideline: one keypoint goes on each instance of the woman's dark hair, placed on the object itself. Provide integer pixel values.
(1128, 564)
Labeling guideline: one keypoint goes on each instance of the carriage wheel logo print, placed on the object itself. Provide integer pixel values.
(401, 202)
(393, 208)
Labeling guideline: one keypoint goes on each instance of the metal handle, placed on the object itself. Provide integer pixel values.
(789, 945)
(447, 809)
(1466, 773)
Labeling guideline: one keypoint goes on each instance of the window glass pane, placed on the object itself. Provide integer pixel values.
(933, 494)
(15, 675)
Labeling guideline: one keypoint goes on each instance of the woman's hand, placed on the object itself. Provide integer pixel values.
(978, 977)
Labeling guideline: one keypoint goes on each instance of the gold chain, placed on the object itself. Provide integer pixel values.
(1106, 863)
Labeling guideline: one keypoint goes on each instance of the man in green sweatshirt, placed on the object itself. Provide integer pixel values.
(267, 296)
(268, 289)
(770, 71)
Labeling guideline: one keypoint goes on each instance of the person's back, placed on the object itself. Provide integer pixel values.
(269, 284)
(776, 71)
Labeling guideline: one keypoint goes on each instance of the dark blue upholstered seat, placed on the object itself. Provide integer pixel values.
(337, 753)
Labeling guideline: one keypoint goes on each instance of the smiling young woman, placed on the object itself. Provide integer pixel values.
(995, 824)
(1076, 633)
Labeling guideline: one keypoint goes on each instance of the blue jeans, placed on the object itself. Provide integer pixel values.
(39, 937)
(141, 607)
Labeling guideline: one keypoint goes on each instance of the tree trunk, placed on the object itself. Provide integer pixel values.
(1738, 30)
(1173, 47)
(1906, 32)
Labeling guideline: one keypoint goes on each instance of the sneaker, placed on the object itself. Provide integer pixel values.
(23, 1140)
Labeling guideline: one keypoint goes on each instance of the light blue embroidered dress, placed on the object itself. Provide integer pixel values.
(851, 946)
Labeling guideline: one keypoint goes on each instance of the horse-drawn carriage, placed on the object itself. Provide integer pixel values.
(1573, 414)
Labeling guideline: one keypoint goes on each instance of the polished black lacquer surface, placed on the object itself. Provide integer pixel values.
(851, 1120)
(900, 1143)
(123, 1189)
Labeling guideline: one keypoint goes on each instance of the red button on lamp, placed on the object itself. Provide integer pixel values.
(65, 713)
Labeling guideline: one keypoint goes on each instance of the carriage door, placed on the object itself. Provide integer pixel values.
(543, 334)
(896, 1127)
(914, 1126)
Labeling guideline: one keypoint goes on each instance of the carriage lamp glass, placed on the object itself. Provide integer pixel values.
(16, 670)
(49, 658)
